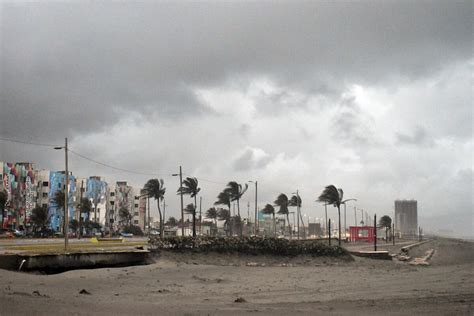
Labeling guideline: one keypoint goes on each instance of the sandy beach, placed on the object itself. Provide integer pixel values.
(184, 284)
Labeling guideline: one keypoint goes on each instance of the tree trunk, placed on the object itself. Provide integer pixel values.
(274, 225)
(194, 216)
(339, 213)
(289, 226)
(386, 234)
(240, 219)
(161, 220)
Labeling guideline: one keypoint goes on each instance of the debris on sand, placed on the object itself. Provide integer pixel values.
(240, 300)
(84, 291)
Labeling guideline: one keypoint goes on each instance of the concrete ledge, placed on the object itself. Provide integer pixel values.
(406, 248)
(382, 254)
(59, 262)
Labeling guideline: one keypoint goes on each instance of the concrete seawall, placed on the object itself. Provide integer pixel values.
(58, 262)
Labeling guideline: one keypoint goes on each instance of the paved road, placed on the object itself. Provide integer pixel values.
(18, 245)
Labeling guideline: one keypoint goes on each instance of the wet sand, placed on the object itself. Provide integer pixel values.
(183, 284)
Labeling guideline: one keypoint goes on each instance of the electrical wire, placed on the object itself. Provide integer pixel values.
(27, 142)
(116, 168)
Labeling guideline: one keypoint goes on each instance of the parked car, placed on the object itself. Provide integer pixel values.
(127, 235)
(5, 233)
(18, 233)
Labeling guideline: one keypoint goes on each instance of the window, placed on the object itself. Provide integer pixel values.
(111, 220)
(112, 193)
(45, 205)
(136, 205)
(137, 197)
(45, 183)
(135, 214)
(45, 194)
(112, 202)
(135, 221)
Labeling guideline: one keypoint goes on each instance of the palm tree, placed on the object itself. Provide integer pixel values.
(235, 191)
(154, 188)
(59, 199)
(85, 207)
(334, 196)
(125, 216)
(386, 222)
(213, 213)
(191, 210)
(224, 215)
(224, 199)
(296, 201)
(3, 203)
(172, 221)
(269, 209)
(283, 202)
(190, 186)
(39, 217)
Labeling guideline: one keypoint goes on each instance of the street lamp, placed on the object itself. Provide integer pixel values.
(66, 195)
(256, 210)
(180, 174)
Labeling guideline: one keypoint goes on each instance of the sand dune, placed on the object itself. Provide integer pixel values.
(210, 285)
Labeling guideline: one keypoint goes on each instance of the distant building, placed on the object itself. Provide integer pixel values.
(314, 229)
(406, 217)
(57, 181)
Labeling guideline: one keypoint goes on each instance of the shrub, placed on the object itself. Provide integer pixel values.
(132, 229)
(248, 245)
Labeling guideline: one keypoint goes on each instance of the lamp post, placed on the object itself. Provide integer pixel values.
(256, 209)
(180, 174)
(66, 195)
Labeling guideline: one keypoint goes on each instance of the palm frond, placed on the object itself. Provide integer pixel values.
(268, 209)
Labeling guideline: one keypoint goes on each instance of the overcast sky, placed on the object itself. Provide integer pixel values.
(374, 97)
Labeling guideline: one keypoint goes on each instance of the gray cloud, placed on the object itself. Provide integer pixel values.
(419, 137)
(249, 160)
(86, 62)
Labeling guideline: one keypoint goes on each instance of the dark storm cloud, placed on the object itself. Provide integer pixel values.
(87, 62)
(418, 137)
(250, 160)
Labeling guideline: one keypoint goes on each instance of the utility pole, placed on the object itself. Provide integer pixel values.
(329, 223)
(326, 217)
(80, 210)
(355, 216)
(256, 210)
(149, 217)
(164, 211)
(200, 215)
(345, 226)
(298, 213)
(375, 232)
(66, 196)
(181, 194)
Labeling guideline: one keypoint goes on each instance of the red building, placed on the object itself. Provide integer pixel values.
(361, 233)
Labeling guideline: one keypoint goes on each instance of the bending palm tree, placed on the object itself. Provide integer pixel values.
(213, 213)
(224, 215)
(190, 186)
(332, 195)
(191, 210)
(385, 222)
(283, 202)
(269, 209)
(154, 188)
(224, 199)
(235, 191)
(296, 201)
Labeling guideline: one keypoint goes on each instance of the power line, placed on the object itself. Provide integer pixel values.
(27, 142)
(117, 168)
(205, 180)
